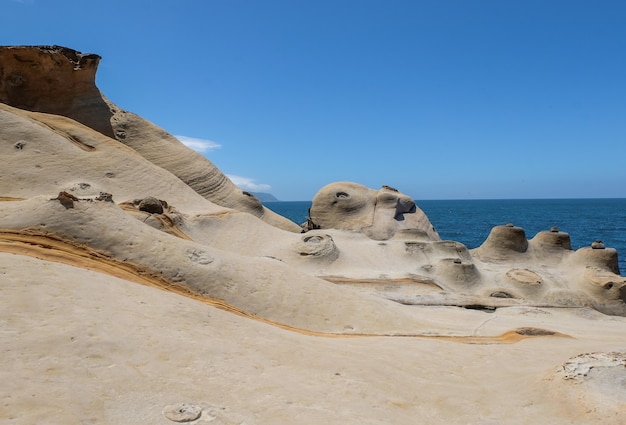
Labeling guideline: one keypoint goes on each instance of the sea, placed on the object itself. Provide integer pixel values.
(470, 221)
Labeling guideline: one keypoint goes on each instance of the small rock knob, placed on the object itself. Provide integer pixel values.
(597, 244)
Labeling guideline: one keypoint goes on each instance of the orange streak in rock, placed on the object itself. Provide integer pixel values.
(49, 247)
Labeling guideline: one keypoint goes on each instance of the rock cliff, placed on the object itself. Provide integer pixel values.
(61, 81)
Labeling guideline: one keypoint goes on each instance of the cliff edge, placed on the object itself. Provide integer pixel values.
(61, 81)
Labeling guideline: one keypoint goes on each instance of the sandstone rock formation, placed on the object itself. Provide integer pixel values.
(360, 237)
(61, 81)
(138, 290)
(378, 214)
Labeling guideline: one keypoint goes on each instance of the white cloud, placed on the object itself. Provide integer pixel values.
(203, 146)
(246, 183)
(199, 145)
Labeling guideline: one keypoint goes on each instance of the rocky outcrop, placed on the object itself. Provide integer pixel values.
(61, 81)
(55, 80)
(356, 235)
(379, 214)
(127, 297)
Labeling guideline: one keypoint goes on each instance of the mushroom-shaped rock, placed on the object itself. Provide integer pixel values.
(552, 240)
(452, 249)
(605, 259)
(457, 272)
(378, 214)
(504, 240)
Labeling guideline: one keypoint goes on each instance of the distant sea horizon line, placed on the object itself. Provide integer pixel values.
(486, 199)
(470, 221)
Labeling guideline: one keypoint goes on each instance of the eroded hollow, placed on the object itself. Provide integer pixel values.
(501, 294)
(534, 332)
(481, 307)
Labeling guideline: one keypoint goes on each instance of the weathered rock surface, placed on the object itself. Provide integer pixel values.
(374, 240)
(56, 80)
(61, 81)
(130, 296)
(379, 214)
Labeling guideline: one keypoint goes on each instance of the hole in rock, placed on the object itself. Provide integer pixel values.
(501, 294)
(533, 332)
(313, 239)
(481, 307)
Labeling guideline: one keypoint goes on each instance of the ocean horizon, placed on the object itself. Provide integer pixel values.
(470, 221)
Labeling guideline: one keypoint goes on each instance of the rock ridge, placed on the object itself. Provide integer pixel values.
(62, 81)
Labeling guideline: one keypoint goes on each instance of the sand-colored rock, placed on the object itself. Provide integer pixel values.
(129, 295)
(61, 81)
(84, 344)
(53, 79)
(254, 286)
(379, 214)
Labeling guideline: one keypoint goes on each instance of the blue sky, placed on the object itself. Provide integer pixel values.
(442, 99)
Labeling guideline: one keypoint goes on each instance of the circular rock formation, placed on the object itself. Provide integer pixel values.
(524, 277)
(317, 245)
(182, 412)
(527, 283)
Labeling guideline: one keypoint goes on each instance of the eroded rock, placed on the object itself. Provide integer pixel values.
(379, 214)
(62, 81)
(578, 368)
(317, 245)
(150, 205)
(182, 412)
(66, 199)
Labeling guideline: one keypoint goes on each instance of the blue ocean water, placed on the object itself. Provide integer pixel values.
(470, 221)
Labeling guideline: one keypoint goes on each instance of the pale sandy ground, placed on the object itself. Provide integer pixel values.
(83, 347)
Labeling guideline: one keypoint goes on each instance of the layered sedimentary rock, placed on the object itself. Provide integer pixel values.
(53, 79)
(365, 238)
(61, 81)
(133, 291)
